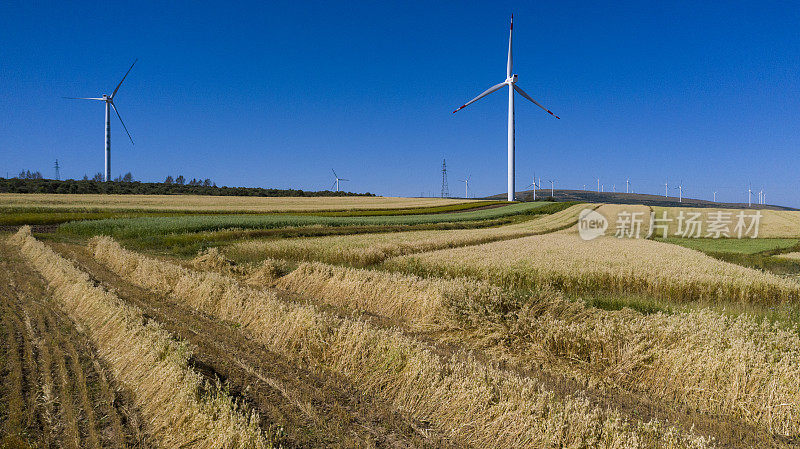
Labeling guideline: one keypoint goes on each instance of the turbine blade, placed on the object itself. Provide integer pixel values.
(509, 67)
(522, 92)
(333, 185)
(82, 98)
(334, 174)
(342, 179)
(485, 93)
(123, 79)
(123, 123)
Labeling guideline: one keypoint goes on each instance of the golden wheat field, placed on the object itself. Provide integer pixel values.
(213, 203)
(368, 249)
(520, 334)
(772, 223)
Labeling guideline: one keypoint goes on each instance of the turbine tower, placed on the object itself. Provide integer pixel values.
(749, 193)
(466, 186)
(511, 80)
(336, 183)
(627, 185)
(552, 187)
(58, 174)
(680, 191)
(666, 189)
(109, 100)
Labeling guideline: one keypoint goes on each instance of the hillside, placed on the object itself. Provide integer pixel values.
(588, 196)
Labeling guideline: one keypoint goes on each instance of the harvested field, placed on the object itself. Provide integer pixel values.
(55, 391)
(446, 390)
(179, 408)
(690, 359)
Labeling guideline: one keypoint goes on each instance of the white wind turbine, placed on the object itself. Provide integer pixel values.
(627, 185)
(680, 192)
(534, 186)
(666, 189)
(336, 183)
(552, 185)
(511, 80)
(749, 194)
(466, 185)
(109, 100)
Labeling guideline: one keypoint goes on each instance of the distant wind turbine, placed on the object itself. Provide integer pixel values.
(534, 186)
(749, 193)
(552, 188)
(627, 185)
(666, 189)
(109, 100)
(336, 183)
(511, 80)
(466, 186)
(680, 192)
(715, 196)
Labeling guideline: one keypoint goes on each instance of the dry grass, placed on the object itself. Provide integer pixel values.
(145, 359)
(774, 223)
(734, 367)
(606, 264)
(213, 203)
(472, 403)
(368, 249)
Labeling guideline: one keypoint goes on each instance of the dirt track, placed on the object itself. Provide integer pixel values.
(54, 391)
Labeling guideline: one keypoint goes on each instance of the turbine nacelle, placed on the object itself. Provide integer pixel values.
(511, 79)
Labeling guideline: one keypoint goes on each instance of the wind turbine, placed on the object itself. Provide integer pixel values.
(109, 100)
(466, 185)
(336, 183)
(715, 196)
(598, 185)
(761, 196)
(552, 185)
(511, 80)
(666, 189)
(534, 186)
(680, 192)
(749, 193)
(627, 185)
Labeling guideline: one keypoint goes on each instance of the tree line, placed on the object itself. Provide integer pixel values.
(126, 185)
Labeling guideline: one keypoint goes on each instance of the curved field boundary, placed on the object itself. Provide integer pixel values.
(146, 359)
(368, 249)
(156, 226)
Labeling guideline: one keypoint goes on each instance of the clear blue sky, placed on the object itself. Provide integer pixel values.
(276, 94)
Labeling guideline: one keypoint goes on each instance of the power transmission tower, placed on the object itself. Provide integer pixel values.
(58, 176)
(445, 190)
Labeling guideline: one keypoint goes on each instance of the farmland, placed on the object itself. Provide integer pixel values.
(375, 322)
